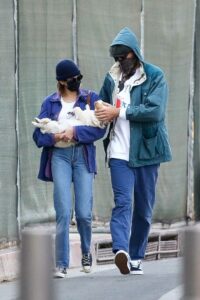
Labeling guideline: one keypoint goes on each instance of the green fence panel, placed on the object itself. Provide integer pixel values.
(168, 42)
(8, 150)
(43, 32)
(44, 38)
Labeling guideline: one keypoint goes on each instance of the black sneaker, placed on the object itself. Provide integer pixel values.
(122, 261)
(86, 262)
(60, 272)
(136, 267)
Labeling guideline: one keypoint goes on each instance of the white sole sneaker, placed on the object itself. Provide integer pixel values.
(59, 274)
(122, 261)
(86, 269)
(136, 272)
(136, 267)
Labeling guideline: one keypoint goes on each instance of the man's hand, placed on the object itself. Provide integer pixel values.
(107, 113)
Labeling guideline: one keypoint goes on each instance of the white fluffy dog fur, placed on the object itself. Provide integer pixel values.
(82, 117)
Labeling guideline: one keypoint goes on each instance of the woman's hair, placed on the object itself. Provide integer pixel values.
(61, 88)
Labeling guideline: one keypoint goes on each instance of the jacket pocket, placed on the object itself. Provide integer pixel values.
(150, 148)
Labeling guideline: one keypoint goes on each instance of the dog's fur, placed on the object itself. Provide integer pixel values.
(83, 118)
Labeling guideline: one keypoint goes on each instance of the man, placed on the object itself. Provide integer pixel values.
(136, 93)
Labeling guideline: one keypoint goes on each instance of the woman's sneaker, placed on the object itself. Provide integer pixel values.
(136, 267)
(60, 272)
(122, 261)
(86, 262)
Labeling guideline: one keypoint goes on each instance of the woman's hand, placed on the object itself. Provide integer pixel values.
(107, 113)
(65, 136)
(58, 137)
(68, 135)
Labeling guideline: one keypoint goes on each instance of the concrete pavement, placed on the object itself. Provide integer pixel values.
(161, 281)
(175, 294)
(10, 257)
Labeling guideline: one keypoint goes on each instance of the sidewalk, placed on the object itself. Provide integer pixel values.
(10, 257)
(161, 281)
(175, 294)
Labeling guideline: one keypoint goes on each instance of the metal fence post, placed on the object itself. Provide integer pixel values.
(191, 270)
(36, 266)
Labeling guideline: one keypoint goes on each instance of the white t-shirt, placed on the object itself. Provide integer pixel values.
(120, 139)
(66, 114)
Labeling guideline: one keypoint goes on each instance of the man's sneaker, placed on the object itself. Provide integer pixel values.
(136, 267)
(86, 262)
(122, 261)
(60, 272)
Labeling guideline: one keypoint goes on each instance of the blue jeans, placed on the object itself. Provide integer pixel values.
(68, 165)
(131, 219)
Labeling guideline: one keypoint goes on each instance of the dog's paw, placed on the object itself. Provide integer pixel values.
(42, 121)
(35, 123)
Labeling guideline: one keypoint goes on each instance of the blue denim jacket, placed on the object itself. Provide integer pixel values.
(85, 135)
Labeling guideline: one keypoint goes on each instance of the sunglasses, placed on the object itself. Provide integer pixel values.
(75, 79)
(120, 57)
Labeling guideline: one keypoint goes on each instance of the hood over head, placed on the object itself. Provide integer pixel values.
(128, 38)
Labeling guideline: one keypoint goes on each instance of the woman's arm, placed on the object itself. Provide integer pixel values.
(40, 139)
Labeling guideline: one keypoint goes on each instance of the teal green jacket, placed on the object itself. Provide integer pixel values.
(149, 143)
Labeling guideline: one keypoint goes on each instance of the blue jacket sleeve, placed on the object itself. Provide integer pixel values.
(89, 134)
(40, 139)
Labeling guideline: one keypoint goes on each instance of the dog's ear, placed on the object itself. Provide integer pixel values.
(77, 111)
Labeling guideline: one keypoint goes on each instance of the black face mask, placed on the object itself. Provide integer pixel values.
(128, 66)
(73, 86)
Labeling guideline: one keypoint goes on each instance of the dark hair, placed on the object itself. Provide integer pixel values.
(137, 64)
(61, 88)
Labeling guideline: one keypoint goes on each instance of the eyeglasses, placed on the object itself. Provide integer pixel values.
(75, 79)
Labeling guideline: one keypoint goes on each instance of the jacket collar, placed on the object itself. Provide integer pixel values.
(115, 73)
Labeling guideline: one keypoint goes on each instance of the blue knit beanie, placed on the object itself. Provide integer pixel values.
(66, 69)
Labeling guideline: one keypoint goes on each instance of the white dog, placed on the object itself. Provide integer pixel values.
(82, 117)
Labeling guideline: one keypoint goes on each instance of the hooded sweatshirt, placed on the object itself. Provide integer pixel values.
(128, 38)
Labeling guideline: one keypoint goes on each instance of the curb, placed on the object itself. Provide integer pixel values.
(9, 264)
(10, 257)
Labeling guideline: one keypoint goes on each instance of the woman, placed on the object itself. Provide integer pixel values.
(76, 163)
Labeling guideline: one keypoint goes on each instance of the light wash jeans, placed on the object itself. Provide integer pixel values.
(68, 165)
(134, 197)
